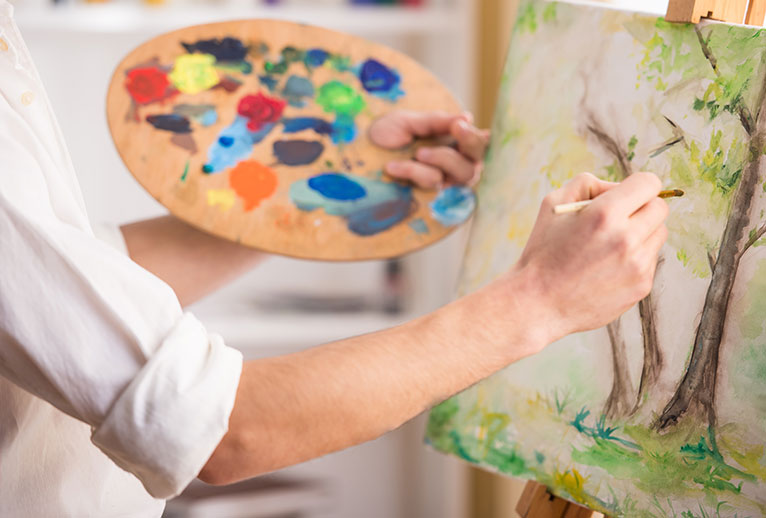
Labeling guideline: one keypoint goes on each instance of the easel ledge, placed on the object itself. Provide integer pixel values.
(537, 501)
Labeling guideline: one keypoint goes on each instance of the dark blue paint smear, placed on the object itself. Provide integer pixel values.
(174, 123)
(226, 141)
(374, 220)
(316, 57)
(269, 82)
(337, 187)
(319, 126)
(298, 152)
(224, 50)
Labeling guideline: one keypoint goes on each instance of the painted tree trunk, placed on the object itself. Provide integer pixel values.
(696, 393)
(652, 353)
(653, 360)
(620, 401)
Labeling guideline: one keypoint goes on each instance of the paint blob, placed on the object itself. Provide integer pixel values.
(172, 122)
(260, 110)
(223, 198)
(253, 182)
(319, 126)
(315, 58)
(453, 206)
(194, 73)
(296, 90)
(148, 84)
(229, 84)
(204, 114)
(224, 50)
(234, 143)
(269, 82)
(335, 186)
(381, 81)
(419, 226)
(381, 206)
(298, 152)
(341, 99)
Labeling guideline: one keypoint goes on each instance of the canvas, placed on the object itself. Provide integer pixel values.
(663, 413)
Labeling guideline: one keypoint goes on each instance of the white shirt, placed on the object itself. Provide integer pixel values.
(111, 398)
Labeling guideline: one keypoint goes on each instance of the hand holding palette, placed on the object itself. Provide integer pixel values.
(256, 131)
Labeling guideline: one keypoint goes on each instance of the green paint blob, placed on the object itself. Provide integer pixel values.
(341, 99)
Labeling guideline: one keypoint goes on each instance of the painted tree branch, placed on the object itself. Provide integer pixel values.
(758, 234)
(745, 116)
(619, 402)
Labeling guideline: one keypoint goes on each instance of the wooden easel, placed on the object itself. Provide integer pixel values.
(536, 500)
(733, 11)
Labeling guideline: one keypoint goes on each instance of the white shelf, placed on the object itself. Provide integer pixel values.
(127, 18)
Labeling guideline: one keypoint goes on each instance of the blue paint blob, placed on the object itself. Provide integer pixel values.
(269, 82)
(344, 130)
(379, 80)
(316, 58)
(209, 118)
(453, 206)
(337, 187)
(419, 226)
(296, 90)
(226, 50)
(385, 204)
(298, 152)
(319, 126)
(234, 143)
(173, 123)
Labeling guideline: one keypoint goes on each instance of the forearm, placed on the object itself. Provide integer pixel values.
(294, 408)
(192, 262)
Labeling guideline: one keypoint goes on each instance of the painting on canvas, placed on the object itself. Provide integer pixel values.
(662, 413)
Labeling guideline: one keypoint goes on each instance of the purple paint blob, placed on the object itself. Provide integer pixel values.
(298, 152)
(173, 123)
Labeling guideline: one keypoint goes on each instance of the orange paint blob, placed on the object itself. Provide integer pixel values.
(253, 182)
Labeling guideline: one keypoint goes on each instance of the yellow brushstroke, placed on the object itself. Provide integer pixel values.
(223, 198)
(194, 73)
(27, 98)
(3, 45)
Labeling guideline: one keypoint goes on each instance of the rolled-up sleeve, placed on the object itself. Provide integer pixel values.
(85, 328)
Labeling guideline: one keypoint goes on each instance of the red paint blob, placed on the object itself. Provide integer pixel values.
(260, 109)
(147, 85)
(253, 182)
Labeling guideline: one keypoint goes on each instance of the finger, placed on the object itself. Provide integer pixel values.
(449, 161)
(423, 175)
(632, 194)
(429, 124)
(583, 187)
(471, 141)
(649, 218)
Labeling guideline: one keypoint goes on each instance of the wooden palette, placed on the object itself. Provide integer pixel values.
(256, 131)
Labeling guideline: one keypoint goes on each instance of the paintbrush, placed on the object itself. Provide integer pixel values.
(567, 208)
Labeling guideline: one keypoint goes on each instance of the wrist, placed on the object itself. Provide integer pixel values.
(523, 311)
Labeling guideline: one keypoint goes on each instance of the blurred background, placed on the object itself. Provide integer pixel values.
(287, 305)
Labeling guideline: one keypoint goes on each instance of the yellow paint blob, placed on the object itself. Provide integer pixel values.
(194, 73)
(223, 198)
(3, 45)
(27, 98)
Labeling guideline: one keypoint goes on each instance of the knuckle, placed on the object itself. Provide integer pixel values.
(601, 219)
